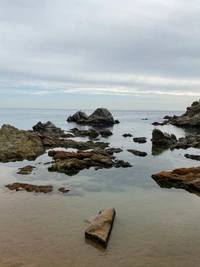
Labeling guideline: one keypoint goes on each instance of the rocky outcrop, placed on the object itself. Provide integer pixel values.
(192, 140)
(25, 170)
(30, 187)
(140, 140)
(101, 116)
(71, 163)
(137, 152)
(100, 228)
(185, 178)
(163, 140)
(48, 128)
(190, 118)
(18, 144)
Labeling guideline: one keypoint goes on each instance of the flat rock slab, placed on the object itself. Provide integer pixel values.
(185, 178)
(137, 152)
(25, 170)
(30, 187)
(100, 228)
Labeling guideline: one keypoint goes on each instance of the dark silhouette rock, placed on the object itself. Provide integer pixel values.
(105, 133)
(100, 228)
(127, 135)
(30, 187)
(194, 157)
(63, 190)
(192, 140)
(79, 115)
(140, 140)
(163, 140)
(137, 152)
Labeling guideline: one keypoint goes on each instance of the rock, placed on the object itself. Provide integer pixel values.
(105, 133)
(113, 150)
(100, 228)
(19, 144)
(127, 135)
(30, 187)
(63, 190)
(190, 156)
(91, 133)
(79, 115)
(163, 140)
(137, 152)
(46, 127)
(140, 140)
(71, 163)
(25, 170)
(191, 118)
(192, 140)
(101, 116)
(117, 121)
(160, 123)
(185, 178)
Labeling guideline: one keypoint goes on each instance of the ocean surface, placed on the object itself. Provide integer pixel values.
(154, 227)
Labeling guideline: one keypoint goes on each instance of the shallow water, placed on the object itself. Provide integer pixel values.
(153, 226)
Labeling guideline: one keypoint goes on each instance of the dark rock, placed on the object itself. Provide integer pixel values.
(144, 119)
(100, 228)
(46, 127)
(117, 121)
(137, 152)
(140, 140)
(63, 190)
(192, 140)
(159, 123)
(113, 150)
(127, 135)
(91, 133)
(79, 115)
(163, 140)
(185, 178)
(30, 187)
(190, 156)
(121, 163)
(105, 133)
(25, 170)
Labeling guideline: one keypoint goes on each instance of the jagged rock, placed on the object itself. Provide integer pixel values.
(140, 140)
(101, 116)
(127, 135)
(185, 178)
(79, 115)
(30, 187)
(137, 152)
(100, 228)
(163, 140)
(46, 127)
(190, 118)
(25, 170)
(19, 144)
(192, 140)
(190, 156)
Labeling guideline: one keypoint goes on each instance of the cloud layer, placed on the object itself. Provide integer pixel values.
(92, 47)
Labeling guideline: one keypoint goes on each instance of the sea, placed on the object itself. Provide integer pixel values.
(154, 226)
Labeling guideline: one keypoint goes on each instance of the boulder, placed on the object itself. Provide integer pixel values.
(137, 152)
(100, 228)
(127, 135)
(46, 127)
(163, 140)
(105, 133)
(19, 144)
(185, 178)
(78, 116)
(30, 187)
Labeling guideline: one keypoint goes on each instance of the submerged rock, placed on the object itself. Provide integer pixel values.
(137, 152)
(185, 178)
(25, 170)
(100, 228)
(30, 187)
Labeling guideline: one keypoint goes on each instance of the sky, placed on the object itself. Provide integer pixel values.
(84, 54)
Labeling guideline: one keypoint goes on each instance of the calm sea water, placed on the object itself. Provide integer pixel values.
(153, 227)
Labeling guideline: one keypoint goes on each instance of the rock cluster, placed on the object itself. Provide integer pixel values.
(30, 187)
(91, 133)
(101, 116)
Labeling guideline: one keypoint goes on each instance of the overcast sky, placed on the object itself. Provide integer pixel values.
(130, 54)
